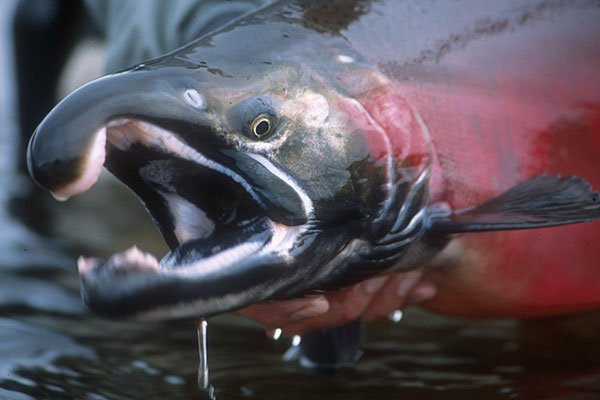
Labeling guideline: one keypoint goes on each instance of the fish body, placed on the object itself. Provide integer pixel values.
(506, 100)
(311, 145)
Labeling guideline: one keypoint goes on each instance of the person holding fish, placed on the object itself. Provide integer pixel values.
(137, 41)
(309, 189)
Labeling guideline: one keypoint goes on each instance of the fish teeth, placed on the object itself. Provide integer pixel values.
(126, 261)
(133, 258)
(86, 265)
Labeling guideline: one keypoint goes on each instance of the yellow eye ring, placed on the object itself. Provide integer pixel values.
(261, 126)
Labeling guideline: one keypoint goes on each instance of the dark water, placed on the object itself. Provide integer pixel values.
(52, 348)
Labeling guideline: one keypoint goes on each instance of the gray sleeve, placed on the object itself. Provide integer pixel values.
(137, 30)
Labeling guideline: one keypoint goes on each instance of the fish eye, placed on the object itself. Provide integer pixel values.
(261, 126)
(254, 117)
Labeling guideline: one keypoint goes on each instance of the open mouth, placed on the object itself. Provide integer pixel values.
(224, 244)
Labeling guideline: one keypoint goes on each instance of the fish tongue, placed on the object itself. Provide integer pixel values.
(197, 249)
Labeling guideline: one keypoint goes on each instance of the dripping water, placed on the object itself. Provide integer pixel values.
(201, 326)
(203, 379)
(294, 351)
(396, 316)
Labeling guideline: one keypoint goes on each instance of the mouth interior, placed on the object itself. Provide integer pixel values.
(206, 212)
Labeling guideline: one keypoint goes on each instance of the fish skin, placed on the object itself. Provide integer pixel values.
(512, 121)
(453, 85)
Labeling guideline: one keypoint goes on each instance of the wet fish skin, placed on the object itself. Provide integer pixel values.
(204, 131)
(349, 108)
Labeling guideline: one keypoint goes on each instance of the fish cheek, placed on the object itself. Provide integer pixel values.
(337, 172)
(315, 162)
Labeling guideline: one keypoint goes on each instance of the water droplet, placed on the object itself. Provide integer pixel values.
(296, 340)
(396, 316)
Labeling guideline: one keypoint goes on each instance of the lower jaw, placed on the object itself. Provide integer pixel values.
(133, 284)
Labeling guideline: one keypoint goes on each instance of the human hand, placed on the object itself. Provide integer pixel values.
(372, 299)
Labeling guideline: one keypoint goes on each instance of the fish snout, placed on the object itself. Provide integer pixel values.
(68, 149)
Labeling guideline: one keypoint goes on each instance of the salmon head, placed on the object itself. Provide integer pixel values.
(275, 161)
(267, 166)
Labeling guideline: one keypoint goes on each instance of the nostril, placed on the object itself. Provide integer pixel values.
(194, 98)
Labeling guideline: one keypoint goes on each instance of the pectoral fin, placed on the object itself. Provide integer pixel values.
(541, 201)
(328, 350)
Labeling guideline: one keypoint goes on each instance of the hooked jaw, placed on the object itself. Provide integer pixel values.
(136, 285)
(91, 169)
(226, 249)
(222, 257)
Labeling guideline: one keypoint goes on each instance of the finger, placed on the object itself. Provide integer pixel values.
(345, 305)
(392, 296)
(284, 312)
(424, 291)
